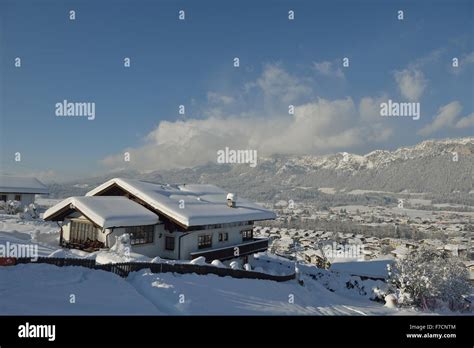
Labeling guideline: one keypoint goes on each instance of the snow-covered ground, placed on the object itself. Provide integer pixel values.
(44, 234)
(47, 289)
(411, 213)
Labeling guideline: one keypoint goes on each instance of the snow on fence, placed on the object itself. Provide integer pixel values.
(123, 269)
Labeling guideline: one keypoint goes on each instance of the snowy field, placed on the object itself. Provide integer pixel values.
(46, 290)
(41, 289)
(411, 213)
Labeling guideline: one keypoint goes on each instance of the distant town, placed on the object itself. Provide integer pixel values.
(373, 232)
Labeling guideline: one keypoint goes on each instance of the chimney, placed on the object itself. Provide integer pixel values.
(231, 199)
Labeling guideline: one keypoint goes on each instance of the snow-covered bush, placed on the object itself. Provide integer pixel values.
(391, 301)
(201, 260)
(380, 292)
(35, 236)
(234, 265)
(13, 207)
(429, 279)
(157, 260)
(29, 212)
(122, 245)
(218, 263)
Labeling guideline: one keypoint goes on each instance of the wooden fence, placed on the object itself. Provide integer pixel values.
(123, 269)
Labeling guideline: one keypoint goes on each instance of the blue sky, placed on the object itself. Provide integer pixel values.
(190, 62)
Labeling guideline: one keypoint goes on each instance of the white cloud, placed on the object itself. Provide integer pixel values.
(369, 108)
(411, 83)
(278, 85)
(465, 122)
(444, 119)
(317, 126)
(217, 98)
(431, 57)
(327, 68)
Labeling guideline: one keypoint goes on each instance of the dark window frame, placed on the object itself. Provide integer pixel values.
(169, 243)
(204, 241)
(4, 199)
(140, 235)
(19, 198)
(247, 234)
(223, 236)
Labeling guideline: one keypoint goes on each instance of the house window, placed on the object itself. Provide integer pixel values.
(247, 234)
(204, 241)
(18, 198)
(82, 231)
(169, 243)
(141, 234)
(224, 236)
(3, 198)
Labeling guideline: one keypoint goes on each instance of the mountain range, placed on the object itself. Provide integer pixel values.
(432, 166)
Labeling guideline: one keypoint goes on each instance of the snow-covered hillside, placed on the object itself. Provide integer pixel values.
(47, 289)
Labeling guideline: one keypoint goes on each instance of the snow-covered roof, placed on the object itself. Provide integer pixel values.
(313, 252)
(190, 204)
(105, 211)
(16, 184)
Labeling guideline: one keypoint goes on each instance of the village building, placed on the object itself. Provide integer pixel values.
(21, 189)
(470, 269)
(315, 257)
(168, 221)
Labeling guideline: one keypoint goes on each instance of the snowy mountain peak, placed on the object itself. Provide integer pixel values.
(380, 158)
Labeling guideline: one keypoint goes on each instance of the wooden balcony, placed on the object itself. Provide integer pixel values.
(226, 253)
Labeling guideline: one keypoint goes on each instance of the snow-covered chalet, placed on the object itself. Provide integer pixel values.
(169, 221)
(20, 189)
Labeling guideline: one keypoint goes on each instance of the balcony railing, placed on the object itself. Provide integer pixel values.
(230, 252)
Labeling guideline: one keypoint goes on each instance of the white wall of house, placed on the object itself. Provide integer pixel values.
(25, 198)
(108, 237)
(150, 249)
(189, 243)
